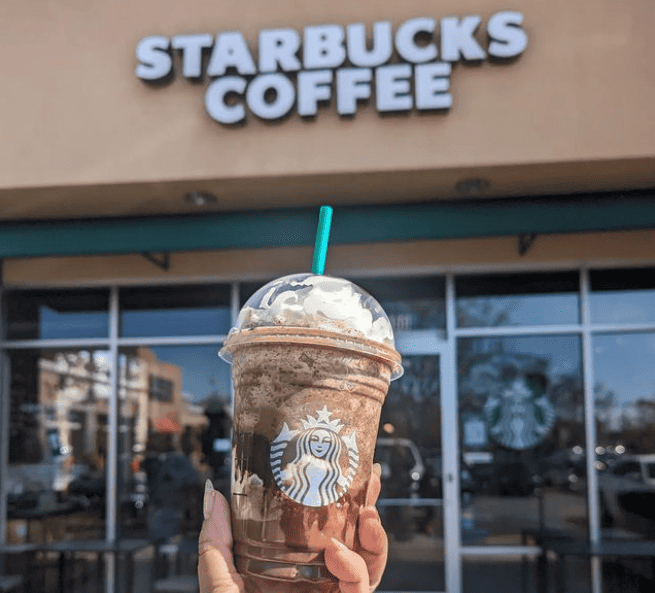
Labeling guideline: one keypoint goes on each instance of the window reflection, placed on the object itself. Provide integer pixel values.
(175, 311)
(57, 314)
(519, 574)
(517, 300)
(625, 419)
(410, 427)
(522, 437)
(409, 451)
(411, 303)
(174, 432)
(622, 296)
(58, 444)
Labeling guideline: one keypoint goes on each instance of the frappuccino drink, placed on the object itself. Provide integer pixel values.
(312, 357)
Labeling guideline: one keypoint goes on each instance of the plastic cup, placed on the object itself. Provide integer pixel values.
(312, 358)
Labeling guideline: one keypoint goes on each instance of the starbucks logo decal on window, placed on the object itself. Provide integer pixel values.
(521, 416)
(315, 464)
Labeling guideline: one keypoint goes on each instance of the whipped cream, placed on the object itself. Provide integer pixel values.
(323, 302)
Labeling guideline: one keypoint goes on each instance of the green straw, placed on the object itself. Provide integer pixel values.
(322, 237)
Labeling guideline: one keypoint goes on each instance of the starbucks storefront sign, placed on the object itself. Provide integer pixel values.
(405, 69)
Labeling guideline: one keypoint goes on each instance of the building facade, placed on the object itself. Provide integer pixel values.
(491, 169)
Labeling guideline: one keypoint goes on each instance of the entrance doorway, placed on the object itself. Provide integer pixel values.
(415, 459)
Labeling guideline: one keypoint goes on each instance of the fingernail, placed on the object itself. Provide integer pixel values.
(377, 468)
(340, 546)
(208, 499)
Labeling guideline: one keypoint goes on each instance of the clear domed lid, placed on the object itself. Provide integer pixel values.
(319, 302)
(322, 302)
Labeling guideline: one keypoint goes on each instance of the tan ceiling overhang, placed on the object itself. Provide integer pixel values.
(344, 189)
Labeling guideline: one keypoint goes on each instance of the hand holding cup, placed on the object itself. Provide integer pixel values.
(358, 570)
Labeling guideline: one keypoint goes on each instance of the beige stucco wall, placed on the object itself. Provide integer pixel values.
(627, 248)
(574, 112)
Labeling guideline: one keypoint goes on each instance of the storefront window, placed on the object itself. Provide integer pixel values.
(625, 420)
(521, 415)
(57, 444)
(410, 303)
(175, 311)
(174, 431)
(522, 432)
(57, 314)
(411, 499)
(517, 300)
(622, 296)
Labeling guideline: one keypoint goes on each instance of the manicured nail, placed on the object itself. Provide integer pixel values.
(208, 499)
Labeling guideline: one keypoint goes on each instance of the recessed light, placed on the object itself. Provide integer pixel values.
(199, 199)
(473, 186)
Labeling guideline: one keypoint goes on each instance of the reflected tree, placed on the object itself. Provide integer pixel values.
(412, 404)
(481, 312)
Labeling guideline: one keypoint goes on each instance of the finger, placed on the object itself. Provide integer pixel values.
(216, 570)
(374, 486)
(347, 566)
(372, 536)
(373, 544)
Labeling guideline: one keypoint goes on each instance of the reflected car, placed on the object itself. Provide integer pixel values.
(627, 491)
(564, 470)
(29, 484)
(133, 496)
(402, 472)
(402, 467)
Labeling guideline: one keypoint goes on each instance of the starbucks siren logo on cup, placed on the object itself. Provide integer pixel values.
(308, 464)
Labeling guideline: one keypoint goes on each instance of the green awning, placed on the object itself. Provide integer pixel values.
(361, 224)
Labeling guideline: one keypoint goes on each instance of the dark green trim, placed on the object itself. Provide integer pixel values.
(273, 228)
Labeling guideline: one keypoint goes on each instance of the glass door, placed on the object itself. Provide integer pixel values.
(411, 452)
(521, 418)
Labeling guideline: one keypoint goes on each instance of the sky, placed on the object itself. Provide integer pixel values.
(202, 370)
(624, 363)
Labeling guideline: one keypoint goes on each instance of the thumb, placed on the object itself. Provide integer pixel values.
(216, 570)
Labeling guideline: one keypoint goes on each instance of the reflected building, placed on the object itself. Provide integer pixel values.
(65, 416)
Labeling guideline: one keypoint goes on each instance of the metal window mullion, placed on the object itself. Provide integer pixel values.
(112, 446)
(235, 302)
(5, 404)
(623, 328)
(55, 344)
(509, 331)
(450, 448)
(172, 341)
(501, 550)
(106, 342)
(590, 429)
